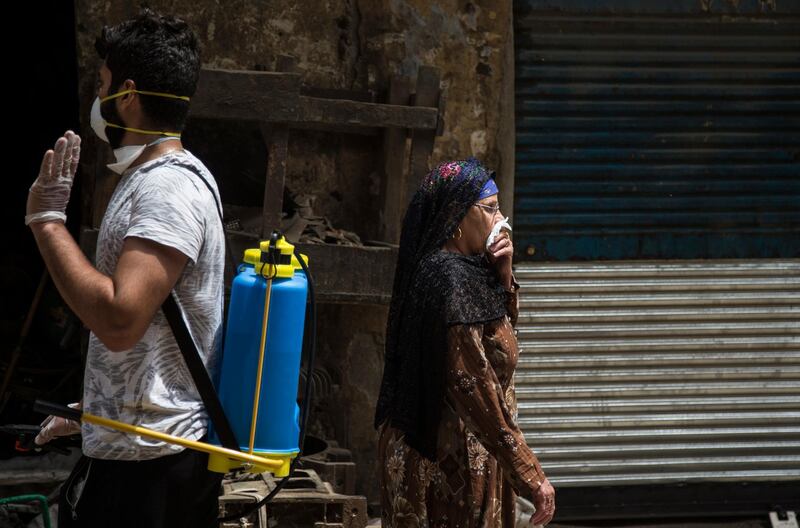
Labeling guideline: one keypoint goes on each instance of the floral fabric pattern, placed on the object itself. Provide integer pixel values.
(482, 460)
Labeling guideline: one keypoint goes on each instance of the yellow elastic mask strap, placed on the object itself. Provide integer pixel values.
(138, 130)
(145, 132)
(144, 92)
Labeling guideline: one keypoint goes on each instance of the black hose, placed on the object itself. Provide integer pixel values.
(309, 346)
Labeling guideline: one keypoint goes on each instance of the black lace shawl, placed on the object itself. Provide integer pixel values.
(433, 289)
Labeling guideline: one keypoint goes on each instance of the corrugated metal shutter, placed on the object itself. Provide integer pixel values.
(656, 135)
(642, 372)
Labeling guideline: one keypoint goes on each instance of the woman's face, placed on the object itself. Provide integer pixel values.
(477, 224)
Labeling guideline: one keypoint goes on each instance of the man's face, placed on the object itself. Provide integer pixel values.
(108, 109)
(103, 80)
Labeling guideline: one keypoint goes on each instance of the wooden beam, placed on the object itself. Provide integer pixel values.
(343, 112)
(364, 96)
(277, 140)
(246, 95)
(342, 274)
(395, 159)
(274, 97)
(427, 95)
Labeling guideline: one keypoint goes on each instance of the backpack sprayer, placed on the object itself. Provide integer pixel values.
(260, 369)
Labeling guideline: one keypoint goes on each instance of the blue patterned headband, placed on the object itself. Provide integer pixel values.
(489, 189)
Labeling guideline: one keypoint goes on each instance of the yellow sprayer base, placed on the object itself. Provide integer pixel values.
(220, 459)
(222, 464)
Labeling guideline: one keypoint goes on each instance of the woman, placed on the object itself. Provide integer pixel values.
(450, 452)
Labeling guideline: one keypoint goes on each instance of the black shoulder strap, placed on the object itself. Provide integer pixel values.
(192, 356)
(219, 212)
(199, 373)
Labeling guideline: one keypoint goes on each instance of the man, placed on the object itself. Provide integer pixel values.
(161, 233)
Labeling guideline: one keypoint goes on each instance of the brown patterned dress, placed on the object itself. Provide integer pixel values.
(482, 460)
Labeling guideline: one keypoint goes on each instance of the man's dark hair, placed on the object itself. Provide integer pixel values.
(160, 54)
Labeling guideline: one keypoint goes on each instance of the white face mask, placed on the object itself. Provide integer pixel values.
(99, 124)
(125, 156)
(97, 121)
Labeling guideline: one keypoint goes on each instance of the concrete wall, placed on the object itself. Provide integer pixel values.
(339, 44)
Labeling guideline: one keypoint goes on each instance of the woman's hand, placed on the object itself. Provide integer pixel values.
(500, 254)
(545, 503)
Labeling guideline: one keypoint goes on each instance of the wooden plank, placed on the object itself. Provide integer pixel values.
(442, 108)
(343, 112)
(339, 129)
(332, 268)
(364, 96)
(395, 159)
(274, 97)
(342, 274)
(246, 95)
(277, 140)
(427, 95)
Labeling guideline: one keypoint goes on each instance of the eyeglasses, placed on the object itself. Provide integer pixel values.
(491, 208)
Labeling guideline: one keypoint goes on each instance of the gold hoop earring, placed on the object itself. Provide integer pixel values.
(460, 234)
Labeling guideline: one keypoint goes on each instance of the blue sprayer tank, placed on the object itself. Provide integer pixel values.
(277, 419)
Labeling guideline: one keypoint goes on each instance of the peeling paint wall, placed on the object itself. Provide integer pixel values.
(466, 41)
(354, 45)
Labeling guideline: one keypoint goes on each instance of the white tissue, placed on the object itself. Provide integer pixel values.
(523, 513)
(502, 224)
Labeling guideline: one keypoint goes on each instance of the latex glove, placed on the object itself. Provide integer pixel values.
(49, 194)
(54, 426)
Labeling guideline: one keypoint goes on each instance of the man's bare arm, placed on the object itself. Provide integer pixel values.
(118, 309)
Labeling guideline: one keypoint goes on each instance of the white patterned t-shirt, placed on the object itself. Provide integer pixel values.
(162, 200)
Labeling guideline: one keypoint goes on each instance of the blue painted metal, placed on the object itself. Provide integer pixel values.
(278, 428)
(654, 129)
